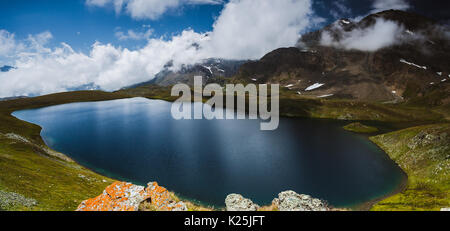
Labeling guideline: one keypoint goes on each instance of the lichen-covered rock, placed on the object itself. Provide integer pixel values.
(276, 202)
(122, 196)
(161, 199)
(292, 201)
(236, 202)
(180, 206)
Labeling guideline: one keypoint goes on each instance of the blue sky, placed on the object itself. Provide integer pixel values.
(64, 19)
(80, 25)
(60, 45)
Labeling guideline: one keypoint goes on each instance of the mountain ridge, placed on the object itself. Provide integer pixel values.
(415, 70)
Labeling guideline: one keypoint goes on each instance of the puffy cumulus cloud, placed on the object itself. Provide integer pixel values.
(382, 34)
(105, 67)
(147, 9)
(245, 29)
(248, 29)
(381, 5)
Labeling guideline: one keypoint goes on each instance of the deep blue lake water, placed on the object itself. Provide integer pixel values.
(137, 140)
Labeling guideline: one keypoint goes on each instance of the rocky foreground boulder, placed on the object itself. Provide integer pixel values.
(292, 201)
(236, 202)
(286, 201)
(123, 196)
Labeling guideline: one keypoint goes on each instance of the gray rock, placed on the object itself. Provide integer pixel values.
(236, 202)
(425, 138)
(11, 200)
(180, 206)
(291, 201)
(345, 117)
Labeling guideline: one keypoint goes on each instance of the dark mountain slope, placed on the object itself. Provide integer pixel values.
(415, 69)
(212, 71)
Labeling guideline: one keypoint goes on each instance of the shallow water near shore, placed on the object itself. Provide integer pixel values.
(137, 140)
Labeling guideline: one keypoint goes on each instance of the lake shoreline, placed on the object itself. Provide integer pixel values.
(367, 206)
(113, 96)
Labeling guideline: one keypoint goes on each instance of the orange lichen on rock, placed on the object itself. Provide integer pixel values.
(122, 196)
(161, 199)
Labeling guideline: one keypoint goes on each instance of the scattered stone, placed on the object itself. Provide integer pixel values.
(291, 201)
(345, 117)
(9, 200)
(236, 202)
(43, 148)
(16, 137)
(180, 206)
(424, 138)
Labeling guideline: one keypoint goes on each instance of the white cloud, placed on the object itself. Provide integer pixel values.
(7, 43)
(246, 29)
(381, 5)
(106, 66)
(147, 9)
(251, 28)
(133, 35)
(10, 47)
(382, 34)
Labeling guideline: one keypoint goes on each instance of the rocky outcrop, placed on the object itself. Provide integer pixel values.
(161, 199)
(236, 202)
(425, 138)
(122, 196)
(292, 201)
(11, 200)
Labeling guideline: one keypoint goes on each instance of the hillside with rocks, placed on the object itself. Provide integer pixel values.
(328, 63)
(423, 152)
(212, 70)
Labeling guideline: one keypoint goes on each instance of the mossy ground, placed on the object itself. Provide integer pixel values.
(55, 184)
(27, 168)
(423, 152)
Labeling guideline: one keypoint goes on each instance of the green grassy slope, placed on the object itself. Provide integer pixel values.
(33, 177)
(424, 154)
(293, 105)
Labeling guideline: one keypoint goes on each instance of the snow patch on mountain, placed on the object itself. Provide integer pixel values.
(209, 69)
(413, 64)
(325, 96)
(314, 86)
